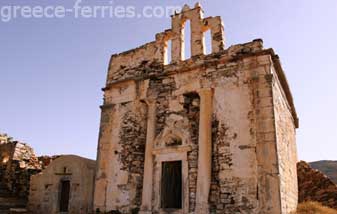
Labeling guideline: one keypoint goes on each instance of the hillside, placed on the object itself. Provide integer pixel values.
(313, 185)
(329, 168)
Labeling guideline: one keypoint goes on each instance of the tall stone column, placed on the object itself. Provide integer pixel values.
(205, 151)
(146, 206)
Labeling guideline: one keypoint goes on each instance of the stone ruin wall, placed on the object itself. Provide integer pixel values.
(234, 177)
(122, 158)
(18, 163)
(246, 166)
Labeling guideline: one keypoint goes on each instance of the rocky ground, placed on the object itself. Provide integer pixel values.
(328, 167)
(315, 186)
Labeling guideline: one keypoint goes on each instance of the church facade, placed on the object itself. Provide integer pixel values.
(214, 133)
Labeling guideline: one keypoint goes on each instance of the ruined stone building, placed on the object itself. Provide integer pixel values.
(214, 133)
(45, 184)
(17, 163)
(211, 133)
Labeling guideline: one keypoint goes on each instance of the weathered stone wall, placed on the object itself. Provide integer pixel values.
(121, 157)
(286, 149)
(147, 57)
(263, 130)
(18, 163)
(131, 156)
(234, 182)
(44, 195)
(154, 113)
(192, 111)
(234, 185)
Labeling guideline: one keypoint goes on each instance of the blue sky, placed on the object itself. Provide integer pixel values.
(52, 69)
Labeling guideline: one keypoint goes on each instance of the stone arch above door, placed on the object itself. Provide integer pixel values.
(176, 133)
(172, 144)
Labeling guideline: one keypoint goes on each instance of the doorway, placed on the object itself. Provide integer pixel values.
(171, 185)
(64, 196)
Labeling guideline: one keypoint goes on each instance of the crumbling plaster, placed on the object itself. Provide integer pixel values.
(232, 137)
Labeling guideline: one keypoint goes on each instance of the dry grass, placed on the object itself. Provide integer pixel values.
(314, 208)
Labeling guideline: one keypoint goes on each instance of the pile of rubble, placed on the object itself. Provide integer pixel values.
(315, 186)
(17, 163)
(45, 160)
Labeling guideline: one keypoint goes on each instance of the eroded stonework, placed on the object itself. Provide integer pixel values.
(225, 121)
(17, 163)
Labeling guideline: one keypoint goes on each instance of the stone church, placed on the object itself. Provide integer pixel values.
(214, 133)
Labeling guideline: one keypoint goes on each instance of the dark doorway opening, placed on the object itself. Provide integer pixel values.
(171, 185)
(64, 196)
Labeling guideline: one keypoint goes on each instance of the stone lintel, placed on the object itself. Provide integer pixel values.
(63, 173)
(178, 149)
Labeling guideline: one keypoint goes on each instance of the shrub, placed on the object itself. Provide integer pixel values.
(311, 207)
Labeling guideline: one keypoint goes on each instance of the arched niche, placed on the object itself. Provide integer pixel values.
(175, 134)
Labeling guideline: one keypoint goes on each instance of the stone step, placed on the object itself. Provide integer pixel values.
(18, 210)
(11, 202)
(5, 194)
(8, 208)
(13, 211)
(5, 191)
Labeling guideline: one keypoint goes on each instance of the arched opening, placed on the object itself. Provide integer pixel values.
(208, 42)
(168, 52)
(187, 39)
